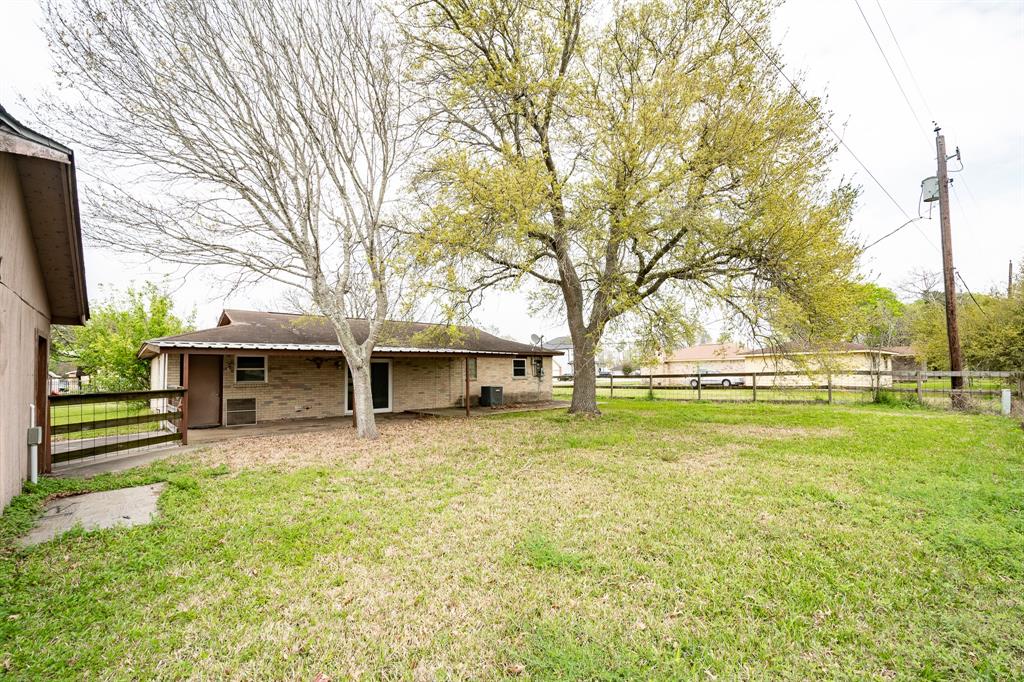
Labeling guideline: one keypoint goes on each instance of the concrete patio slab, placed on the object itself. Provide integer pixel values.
(487, 411)
(123, 507)
(118, 461)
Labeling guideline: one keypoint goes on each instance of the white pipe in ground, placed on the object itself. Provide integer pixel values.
(33, 444)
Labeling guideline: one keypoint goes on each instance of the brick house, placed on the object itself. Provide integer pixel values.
(263, 366)
(850, 363)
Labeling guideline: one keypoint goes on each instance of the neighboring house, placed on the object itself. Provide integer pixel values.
(68, 378)
(717, 358)
(42, 281)
(262, 366)
(732, 359)
(904, 359)
(841, 361)
(561, 364)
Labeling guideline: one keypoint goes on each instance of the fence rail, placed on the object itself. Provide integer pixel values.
(983, 390)
(90, 425)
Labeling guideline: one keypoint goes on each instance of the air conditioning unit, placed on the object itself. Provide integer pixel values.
(490, 396)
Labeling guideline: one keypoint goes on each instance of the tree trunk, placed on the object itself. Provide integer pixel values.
(362, 397)
(584, 379)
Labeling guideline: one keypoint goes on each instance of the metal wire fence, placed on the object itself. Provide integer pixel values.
(88, 426)
(981, 392)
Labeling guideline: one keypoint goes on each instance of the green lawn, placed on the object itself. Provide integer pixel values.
(62, 413)
(662, 541)
(937, 394)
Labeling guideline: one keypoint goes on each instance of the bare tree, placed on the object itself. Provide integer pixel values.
(265, 135)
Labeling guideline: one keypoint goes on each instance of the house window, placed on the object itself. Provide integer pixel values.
(250, 369)
(471, 364)
(518, 367)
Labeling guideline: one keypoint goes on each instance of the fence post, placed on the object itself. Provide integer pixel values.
(830, 388)
(611, 386)
(754, 384)
(920, 388)
(184, 399)
(700, 385)
(650, 387)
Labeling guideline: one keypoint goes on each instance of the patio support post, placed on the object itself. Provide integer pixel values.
(467, 386)
(184, 399)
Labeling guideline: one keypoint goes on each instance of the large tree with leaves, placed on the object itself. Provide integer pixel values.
(107, 347)
(626, 161)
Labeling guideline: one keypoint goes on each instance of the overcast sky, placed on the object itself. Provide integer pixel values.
(966, 58)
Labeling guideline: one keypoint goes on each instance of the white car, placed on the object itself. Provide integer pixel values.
(723, 380)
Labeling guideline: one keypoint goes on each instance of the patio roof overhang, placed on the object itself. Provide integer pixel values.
(154, 348)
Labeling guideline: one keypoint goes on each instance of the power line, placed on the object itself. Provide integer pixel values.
(970, 227)
(913, 78)
(889, 234)
(828, 125)
(970, 293)
(892, 71)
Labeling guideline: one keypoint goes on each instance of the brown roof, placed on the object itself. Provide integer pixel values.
(788, 348)
(46, 171)
(254, 330)
(706, 351)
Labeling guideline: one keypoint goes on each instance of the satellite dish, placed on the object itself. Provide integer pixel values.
(536, 339)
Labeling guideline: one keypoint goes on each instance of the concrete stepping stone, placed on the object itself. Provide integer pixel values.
(122, 507)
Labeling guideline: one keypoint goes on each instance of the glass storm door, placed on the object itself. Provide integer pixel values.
(380, 386)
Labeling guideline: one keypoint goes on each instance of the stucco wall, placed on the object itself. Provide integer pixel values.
(24, 317)
(844, 361)
(717, 365)
(296, 388)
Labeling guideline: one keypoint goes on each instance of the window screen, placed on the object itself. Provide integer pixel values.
(240, 411)
(250, 368)
(519, 367)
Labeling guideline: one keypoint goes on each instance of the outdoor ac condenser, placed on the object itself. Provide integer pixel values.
(490, 396)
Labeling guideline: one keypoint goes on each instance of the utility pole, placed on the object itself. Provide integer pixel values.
(956, 382)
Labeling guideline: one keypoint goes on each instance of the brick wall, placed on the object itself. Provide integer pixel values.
(297, 389)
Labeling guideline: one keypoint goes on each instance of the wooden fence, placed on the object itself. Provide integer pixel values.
(87, 425)
(982, 390)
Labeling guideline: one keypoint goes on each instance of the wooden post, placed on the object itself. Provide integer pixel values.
(184, 399)
(956, 382)
(467, 385)
(920, 388)
(753, 378)
(700, 386)
(611, 386)
(650, 387)
(42, 402)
